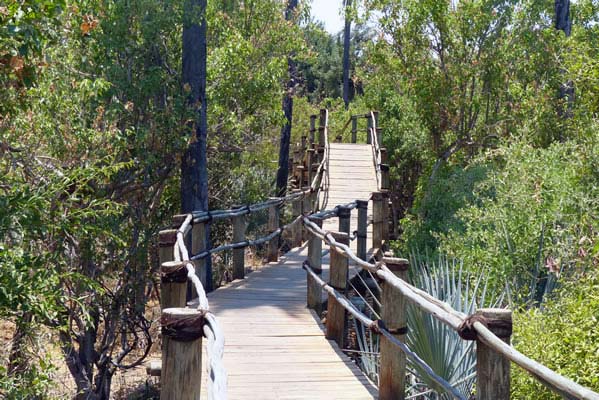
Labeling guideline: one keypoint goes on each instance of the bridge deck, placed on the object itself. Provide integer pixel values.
(274, 346)
(351, 177)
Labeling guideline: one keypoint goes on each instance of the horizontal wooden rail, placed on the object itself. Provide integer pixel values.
(454, 319)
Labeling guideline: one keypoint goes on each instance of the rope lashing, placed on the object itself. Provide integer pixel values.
(186, 329)
(378, 325)
(175, 274)
(500, 327)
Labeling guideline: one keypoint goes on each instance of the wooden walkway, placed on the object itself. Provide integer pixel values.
(351, 177)
(274, 346)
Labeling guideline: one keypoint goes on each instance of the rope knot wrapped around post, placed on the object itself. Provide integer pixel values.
(183, 328)
(500, 327)
(378, 325)
(173, 272)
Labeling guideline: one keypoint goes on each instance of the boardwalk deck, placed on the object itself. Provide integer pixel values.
(275, 347)
(351, 177)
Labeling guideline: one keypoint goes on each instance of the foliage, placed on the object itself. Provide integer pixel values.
(439, 346)
(563, 336)
(531, 216)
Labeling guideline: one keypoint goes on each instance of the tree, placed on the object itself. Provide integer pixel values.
(346, 49)
(283, 171)
(563, 23)
(194, 164)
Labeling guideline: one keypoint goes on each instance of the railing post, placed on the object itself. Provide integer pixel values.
(305, 210)
(310, 157)
(492, 369)
(384, 155)
(181, 372)
(300, 175)
(386, 218)
(384, 177)
(296, 229)
(315, 260)
(336, 315)
(273, 225)
(344, 215)
(379, 136)
(321, 127)
(392, 375)
(354, 129)
(198, 245)
(239, 226)
(368, 127)
(377, 219)
(312, 128)
(362, 228)
(173, 284)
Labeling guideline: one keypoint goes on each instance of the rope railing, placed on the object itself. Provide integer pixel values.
(376, 149)
(447, 315)
(377, 327)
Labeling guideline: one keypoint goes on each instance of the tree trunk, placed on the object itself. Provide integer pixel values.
(283, 171)
(566, 91)
(346, 64)
(194, 164)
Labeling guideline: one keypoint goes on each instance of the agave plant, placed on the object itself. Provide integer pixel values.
(438, 345)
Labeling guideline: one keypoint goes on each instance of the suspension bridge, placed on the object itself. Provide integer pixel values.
(262, 337)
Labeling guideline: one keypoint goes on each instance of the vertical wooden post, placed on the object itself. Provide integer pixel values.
(377, 219)
(386, 218)
(312, 128)
(378, 131)
(239, 226)
(368, 128)
(304, 144)
(336, 315)
(198, 245)
(296, 229)
(392, 375)
(344, 215)
(321, 125)
(384, 177)
(173, 291)
(181, 372)
(315, 260)
(362, 228)
(492, 369)
(273, 225)
(310, 163)
(354, 129)
(305, 210)
(384, 156)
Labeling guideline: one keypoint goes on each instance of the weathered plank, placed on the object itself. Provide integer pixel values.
(275, 347)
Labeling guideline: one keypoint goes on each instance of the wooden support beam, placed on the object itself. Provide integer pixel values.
(296, 229)
(273, 225)
(315, 260)
(354, 129)
(336, 314)
(378, 219)
(492, 369)
(392, 375)
(305, 211)
(321, 127)
(362, 228)
(386, 218)
(171, 294)
(344, 216)
(173, 284)
(384, 177)
(313, 128)
(239, 227)
(384, 156)
(181, 372)
(368, 127)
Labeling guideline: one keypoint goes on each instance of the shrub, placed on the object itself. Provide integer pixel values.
(563, 336)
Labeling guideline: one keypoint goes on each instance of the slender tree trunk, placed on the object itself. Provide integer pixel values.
(283, 171)
(346, 63)
(194, 164)
(566, 91)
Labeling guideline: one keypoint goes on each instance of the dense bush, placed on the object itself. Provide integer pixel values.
(563, 336)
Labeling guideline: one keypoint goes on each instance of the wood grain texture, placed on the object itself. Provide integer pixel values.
(275, 348)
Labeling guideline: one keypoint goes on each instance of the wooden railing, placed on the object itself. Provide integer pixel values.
(490, 328)
(184, 323)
